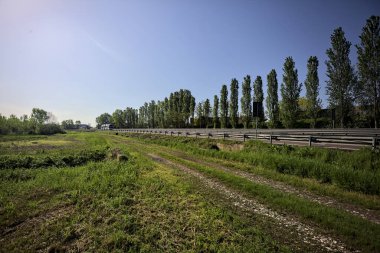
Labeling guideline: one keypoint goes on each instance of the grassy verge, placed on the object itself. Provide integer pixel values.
(355, 171)
(356, 232)
(206, 149)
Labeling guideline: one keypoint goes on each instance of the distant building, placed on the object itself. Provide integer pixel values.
(83, 126)
(107, 127)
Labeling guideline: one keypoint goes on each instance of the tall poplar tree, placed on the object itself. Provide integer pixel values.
(246, 101)
(200, 111)
(272, 99)
(206, 111)
(224, 106)
(215, 111)
(313, 104)
(369, 68)
(234, 102)
(258, 95)
(290, 92)
(341, 76)
(192, 108)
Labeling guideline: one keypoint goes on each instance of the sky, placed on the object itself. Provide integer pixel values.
(81, 58)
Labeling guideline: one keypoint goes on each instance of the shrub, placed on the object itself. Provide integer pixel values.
(49, 129)
(57, 160)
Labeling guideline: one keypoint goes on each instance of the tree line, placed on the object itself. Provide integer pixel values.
(39, 122)
(353, 95)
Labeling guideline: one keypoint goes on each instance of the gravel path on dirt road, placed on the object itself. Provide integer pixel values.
(309, 234)
(370, 215)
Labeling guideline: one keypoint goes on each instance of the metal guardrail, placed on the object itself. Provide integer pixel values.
(351, 139)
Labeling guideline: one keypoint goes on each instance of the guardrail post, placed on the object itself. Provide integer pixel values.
(224, 136)
(374, 142)
(244, 137)
(310, 140)
(270, 139)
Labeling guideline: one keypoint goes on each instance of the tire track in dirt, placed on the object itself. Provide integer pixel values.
(364, 213)
(367, 214)
(309, 234)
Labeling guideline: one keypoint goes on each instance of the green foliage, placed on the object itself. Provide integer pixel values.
(234, 102)
(290, 92)
(341, 82)
(368, 89)
(25, 125)
(119, 118)
(258, 95)
(68, 124)
(200, 113)
(49, 129)
(51, 160)
(39, 115)
(272, 100)
(313, 104)
(206, 111)
(215, 112)
(246, 102)
(224, 106)
(192, 108)
(104, 118)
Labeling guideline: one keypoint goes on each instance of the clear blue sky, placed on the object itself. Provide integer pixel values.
(80, 58)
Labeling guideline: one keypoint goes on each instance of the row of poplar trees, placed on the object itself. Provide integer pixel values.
(353, 94)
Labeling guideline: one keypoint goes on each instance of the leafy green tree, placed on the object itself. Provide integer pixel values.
(104, 118)
(4, 129)
(258, 95)
(215, 111)
(192, 109)
(130, 118)
(118, 118)
(369, 68)
(341, 82)
(246, 101)
(224, 106)
(206, 111)
(68, 124)
(200, 112)
(143, 115)
(234, 102)
(290, 92)
(272, 99)
(152, 114)
(39, 115)
(186, 107)
(313, 103)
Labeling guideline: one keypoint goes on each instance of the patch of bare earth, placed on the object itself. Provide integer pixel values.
(295, 227)
(370, 215)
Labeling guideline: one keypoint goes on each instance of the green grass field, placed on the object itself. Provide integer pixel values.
(104, 192)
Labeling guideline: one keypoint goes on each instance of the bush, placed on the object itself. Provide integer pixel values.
(49, 129)
(71, 160)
